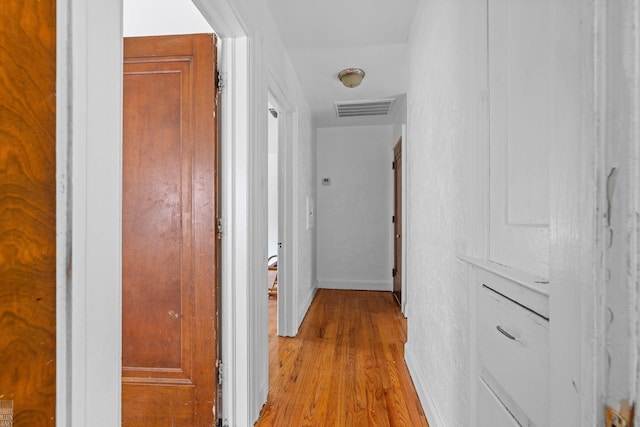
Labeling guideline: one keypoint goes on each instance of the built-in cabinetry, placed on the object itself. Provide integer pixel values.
(511, 351)
(509, 285)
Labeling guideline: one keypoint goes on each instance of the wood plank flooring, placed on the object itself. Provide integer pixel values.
(345, 368)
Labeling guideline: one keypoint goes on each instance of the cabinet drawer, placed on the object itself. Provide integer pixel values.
(491, 411)
(513, 346)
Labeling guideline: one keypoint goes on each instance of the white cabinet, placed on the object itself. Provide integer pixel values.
(491, 411)
(511, 331)
(513, 347)
(510, 290)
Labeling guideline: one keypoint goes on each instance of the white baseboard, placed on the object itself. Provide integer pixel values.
(428, 404)
(356, 285)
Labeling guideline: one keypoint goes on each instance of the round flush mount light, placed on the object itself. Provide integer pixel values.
(351, 77)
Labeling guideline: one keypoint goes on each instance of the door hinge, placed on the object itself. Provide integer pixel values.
(393, 272)
(222, 422)
(393, 165)
(393, 219)
(219, 228)
(220, 367)
(620, 417)
(219, 81)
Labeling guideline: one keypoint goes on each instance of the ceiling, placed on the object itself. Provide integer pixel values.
(324, 37)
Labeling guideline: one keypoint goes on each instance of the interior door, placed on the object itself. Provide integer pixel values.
(397, 221)
(169, 284)
(28, 213)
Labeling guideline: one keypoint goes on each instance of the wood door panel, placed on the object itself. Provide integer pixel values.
(28, 210)
(158, 406)
(169, 251)
(153, 223)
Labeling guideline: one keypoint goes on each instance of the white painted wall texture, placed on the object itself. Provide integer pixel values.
(446, 108)
(354, 212)
(307, 261)
(400, 118)
(144, 18)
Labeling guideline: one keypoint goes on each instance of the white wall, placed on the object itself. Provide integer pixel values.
(306, 236)
(162, 17)
(354, 212)
(400, 118)
(445, 113)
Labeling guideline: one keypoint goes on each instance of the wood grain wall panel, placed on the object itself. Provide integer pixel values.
(27, 209)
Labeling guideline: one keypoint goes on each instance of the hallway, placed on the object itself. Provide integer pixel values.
(520, 125)
(345, 368)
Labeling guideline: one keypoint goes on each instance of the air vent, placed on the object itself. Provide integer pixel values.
(376, 107)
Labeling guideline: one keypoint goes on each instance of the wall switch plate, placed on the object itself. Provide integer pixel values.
(326, 181)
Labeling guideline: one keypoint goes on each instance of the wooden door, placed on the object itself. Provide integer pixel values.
(28, 212)
(397, 221)
(169, 285)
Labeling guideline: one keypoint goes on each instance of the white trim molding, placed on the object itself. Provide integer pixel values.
(405, 209)
(428, 403)
(356, 285)
(89, 151)
(288, 220)
(574, 211)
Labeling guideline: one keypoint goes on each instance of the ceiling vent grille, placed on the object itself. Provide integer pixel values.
(377, 107)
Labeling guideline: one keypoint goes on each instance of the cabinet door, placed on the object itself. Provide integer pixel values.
(520, 123)
(491, 411)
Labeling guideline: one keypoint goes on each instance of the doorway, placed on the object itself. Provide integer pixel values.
(273, 210)
(90, 387)
(397, 222)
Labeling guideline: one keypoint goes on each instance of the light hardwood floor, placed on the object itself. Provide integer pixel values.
(345, 368)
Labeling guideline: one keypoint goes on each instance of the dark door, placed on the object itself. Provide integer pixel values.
(169, 284)
(28, 212)
(397, 223)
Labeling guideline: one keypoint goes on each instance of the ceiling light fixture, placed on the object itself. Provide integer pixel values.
(351, 77)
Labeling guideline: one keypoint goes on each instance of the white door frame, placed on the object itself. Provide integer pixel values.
(405, 208)
(89, 161)
(88, 187)
(287, 200)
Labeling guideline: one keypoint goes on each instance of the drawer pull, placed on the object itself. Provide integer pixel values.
(505, 333)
